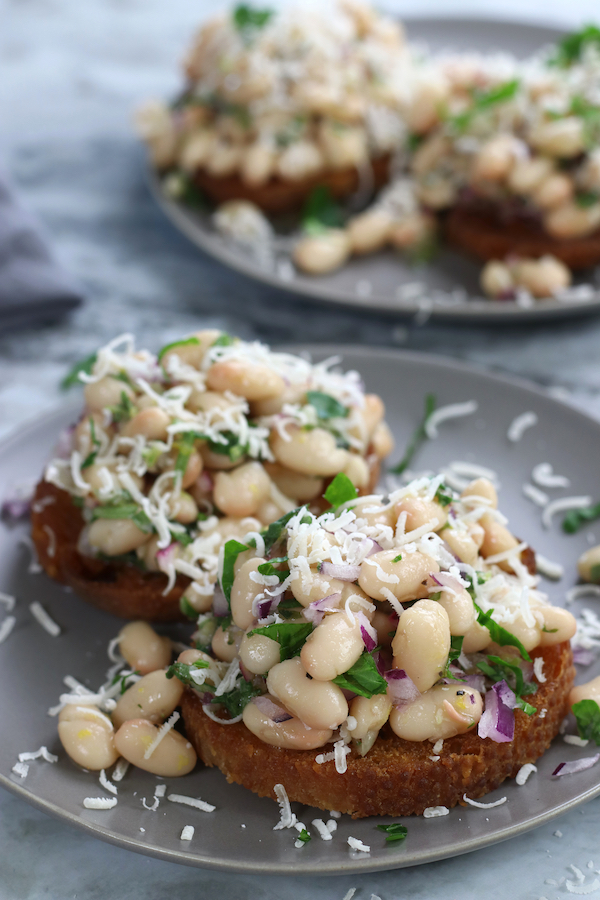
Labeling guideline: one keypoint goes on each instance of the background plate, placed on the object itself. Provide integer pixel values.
(375, 282)
(32, 664)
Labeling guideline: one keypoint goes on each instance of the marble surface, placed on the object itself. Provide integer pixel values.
(71, 74)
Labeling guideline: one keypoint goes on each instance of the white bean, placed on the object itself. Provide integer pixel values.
(371, 714)
(528, 174)
(497, 539)
(225, 643)
(153, 697)
(482, 487)
(151, 423)
(258, 164)
(344, 146)
(321, 253)
(244, 591)
(370, 230)
(382, 441)
(422, 643)
(543, 277)
(87, 738)
(558, 625)
(241, 492)
(319, 704)
(462, 544)
(357, 471)
(460, 609)
(477, 638)
(440, 713)
(295, 484)
(333, 647)
(174, 755)
(300, 160)
(143, 649)
(405, 578)
(572, 221)
(555, 190)
(420, 511)
(309, 452)
(289, 735)
(259, 653)
(588, 564)
(254, 381)
(196, 150)
(588, 691)
(224, 159)
(106, 392)
(116, 536)
(308, 589)
(496, 279)
(496, 158)
(563, 138)
(427, 102)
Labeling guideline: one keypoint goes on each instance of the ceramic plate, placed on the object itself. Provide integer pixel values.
(448, 288)
(239, 835)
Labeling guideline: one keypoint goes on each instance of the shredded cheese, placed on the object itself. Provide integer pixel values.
(100, 802)
(162, 733)
(45, 620)
(196, 802)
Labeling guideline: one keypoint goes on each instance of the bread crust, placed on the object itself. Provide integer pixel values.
(485, 235)
(280, 196)
(396, 777)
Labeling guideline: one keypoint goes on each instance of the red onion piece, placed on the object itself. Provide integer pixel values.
(583, 657)
(401, 688)
(166, 557)
(368, 633)
(315, 611)
(577, 765)
(477, 682)
(444, 580)
(275, 713)
(498, 719)
(205, 483)
(375, 547)
(344, 572)
(220, 605)
(15, 508)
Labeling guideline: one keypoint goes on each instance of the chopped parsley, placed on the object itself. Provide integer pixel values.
(443, 496)
(186, 342)
(589, 113)
(326, 406)
(394, 832)
(291, 636)
(124, 410)
(303, 836)
(456, 642)
(72, 377)
(224, 340)
(483, 101)
(587, 714)
(363, 677)
(182, 671)
(91, 457)
(499, 634)
(272, 534)
(569, 50)
(231, 551)
(397, 558)
(186, 608)
(184, 445)
(418, 437)
(340, 491)
(124, 679)
(321, 212)
(577, 518)
(585, 199)
(248, 19)
(124, 511)
(230, 446)
(268, 568)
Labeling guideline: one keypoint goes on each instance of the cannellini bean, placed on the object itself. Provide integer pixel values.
(462, 545)
(543, 277)
(184, 508)
(333, 647)
(106, 392)
(229, 527)
(87, 736)
(420, 511)
(482, 487)
(226, 643)
(344, 146)
(371, 714)
(385, 625)
(497, 539)
(497, 279)
(370, 230)
(213, 460)
(572, 221)
(292, 393)
(254, 381)
(382, 440)
(529, 635)
(116, 536)
(405, 578)
(412, 231)
(372, 412)
(151, 423)
(555, 190)
(300, 160)
(460, 609)
(224, 159)
(174, 755)
(321, 253)
(558, 625)
(373, 512)
(289, 735)
(429, 153)
(268, 512)
(143, 649)
(357, 471)
(295, 484)
(588, 564)
(259, 653)
(307, 590)
(496, 158)
(258, 164)
(588, 691)
(563, 138)
(244, 591)
(213, 674)
(196, 150)
(319, 704)
(82, 436)
(422, 643)
(440, 713)
(309, 452)
(527, 174)
(199, 602)
(153, 697)
(477, 638)
(436, 191)
(241, 492)
(427, 102)
(588, 176)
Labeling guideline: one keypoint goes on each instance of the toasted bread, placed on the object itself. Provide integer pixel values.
(396, 777)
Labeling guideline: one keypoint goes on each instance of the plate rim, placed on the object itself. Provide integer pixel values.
(321, 867)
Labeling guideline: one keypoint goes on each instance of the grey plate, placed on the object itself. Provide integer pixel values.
(32, 664)
(372, 282)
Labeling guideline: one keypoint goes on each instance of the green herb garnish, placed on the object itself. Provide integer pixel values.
(394, 832)
(397, 558)
(125, 511)
(340, 490)
(419, 436)
(326, 406)
(363, 677)
(186, 342)
(499, 634)
(291, 636)
(224, 340)
(230, 446)
(272, 534)
(124, 410)
(247, 19)
(231, 551)
(456, 642)
(570, 48)
(91, 457)
(587, 714)
(72, 377)
(268, 568)
(483, 101)
(186, 608)
(303, 836)
(577, 518)
(442, 496)
(321, 212)
(498, 669)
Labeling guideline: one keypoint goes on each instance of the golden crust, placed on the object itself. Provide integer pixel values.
(396, 777)
(482, 235)
(279, 196)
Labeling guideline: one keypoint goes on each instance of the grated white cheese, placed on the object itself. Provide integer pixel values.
(543, 475)
(479, 805)
(187, 833)
(159, 793)
(321, 827)
(547, 567)
(42, 753)
(196, 802)
(120, 769)
(106, 784)
(6, 628)
(162, 733)
(355, 844)
(507, 554)
(473, 470)
(288, 818)
(437, 747)
(8, 601)
(21, 769)
(432, 812)
(520, 424)
(563, 504)
(45, 620)
(349, 894)
(524, 773)
(575, 740)
(535, 495)
(538, 669)
(577, 888)
(100, 802)
(451, 411)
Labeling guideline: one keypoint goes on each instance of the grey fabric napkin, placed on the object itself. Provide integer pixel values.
(33, 287)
